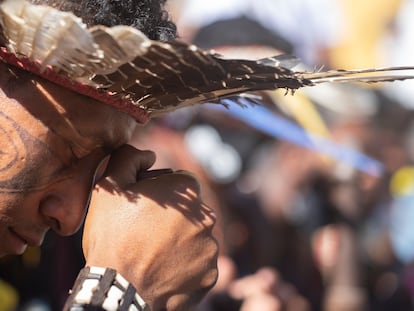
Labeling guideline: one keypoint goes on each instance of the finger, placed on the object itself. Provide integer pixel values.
(126, 163)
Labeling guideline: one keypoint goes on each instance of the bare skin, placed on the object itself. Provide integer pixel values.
(161, 202)
(157, 232)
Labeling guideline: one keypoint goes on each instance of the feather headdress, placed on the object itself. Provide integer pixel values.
(120, 66)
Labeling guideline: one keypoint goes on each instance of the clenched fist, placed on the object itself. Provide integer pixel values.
(155, 231)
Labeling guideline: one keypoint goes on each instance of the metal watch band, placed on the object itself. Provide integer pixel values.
(98, 288)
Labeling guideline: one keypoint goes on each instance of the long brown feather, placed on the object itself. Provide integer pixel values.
(120, 66)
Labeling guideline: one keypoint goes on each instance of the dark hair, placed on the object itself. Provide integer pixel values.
(149, 16)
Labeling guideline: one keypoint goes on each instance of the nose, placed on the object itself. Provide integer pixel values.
(64, 214)
(65, 207)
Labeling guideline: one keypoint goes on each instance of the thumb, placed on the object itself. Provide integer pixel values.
(126, 162)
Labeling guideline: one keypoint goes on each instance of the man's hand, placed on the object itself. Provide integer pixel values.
(155, 231)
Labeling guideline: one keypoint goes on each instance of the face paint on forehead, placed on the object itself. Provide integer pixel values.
(26, 163)
(13, 151)
(58, 110)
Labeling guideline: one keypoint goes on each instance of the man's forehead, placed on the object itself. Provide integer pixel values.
(37, 94)
(14, 81)
(49, 110)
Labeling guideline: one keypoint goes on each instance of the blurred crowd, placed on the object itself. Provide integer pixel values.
(298, 229)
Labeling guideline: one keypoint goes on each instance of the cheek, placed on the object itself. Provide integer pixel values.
(6, 212)
(13, 214)
(16, 207)
(13, 149)
(32, 177)
(26, 160)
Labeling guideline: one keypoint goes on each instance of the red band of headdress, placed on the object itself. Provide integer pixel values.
(49, 74)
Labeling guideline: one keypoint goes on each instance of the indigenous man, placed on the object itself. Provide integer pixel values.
(147, 241)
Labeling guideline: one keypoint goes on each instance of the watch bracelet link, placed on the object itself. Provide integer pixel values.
(98, 288)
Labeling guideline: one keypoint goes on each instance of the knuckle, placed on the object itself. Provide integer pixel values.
(210, 278)
(211, 275)
(189, 180)
(213, 251)
(210, 218)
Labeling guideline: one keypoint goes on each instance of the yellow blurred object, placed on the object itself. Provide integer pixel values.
(367, 23)
(301, 108)
(9, 297)
(303, 111)
(402, 182)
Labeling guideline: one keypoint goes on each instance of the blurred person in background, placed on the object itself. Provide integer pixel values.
(281, 17)
(308, 194)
